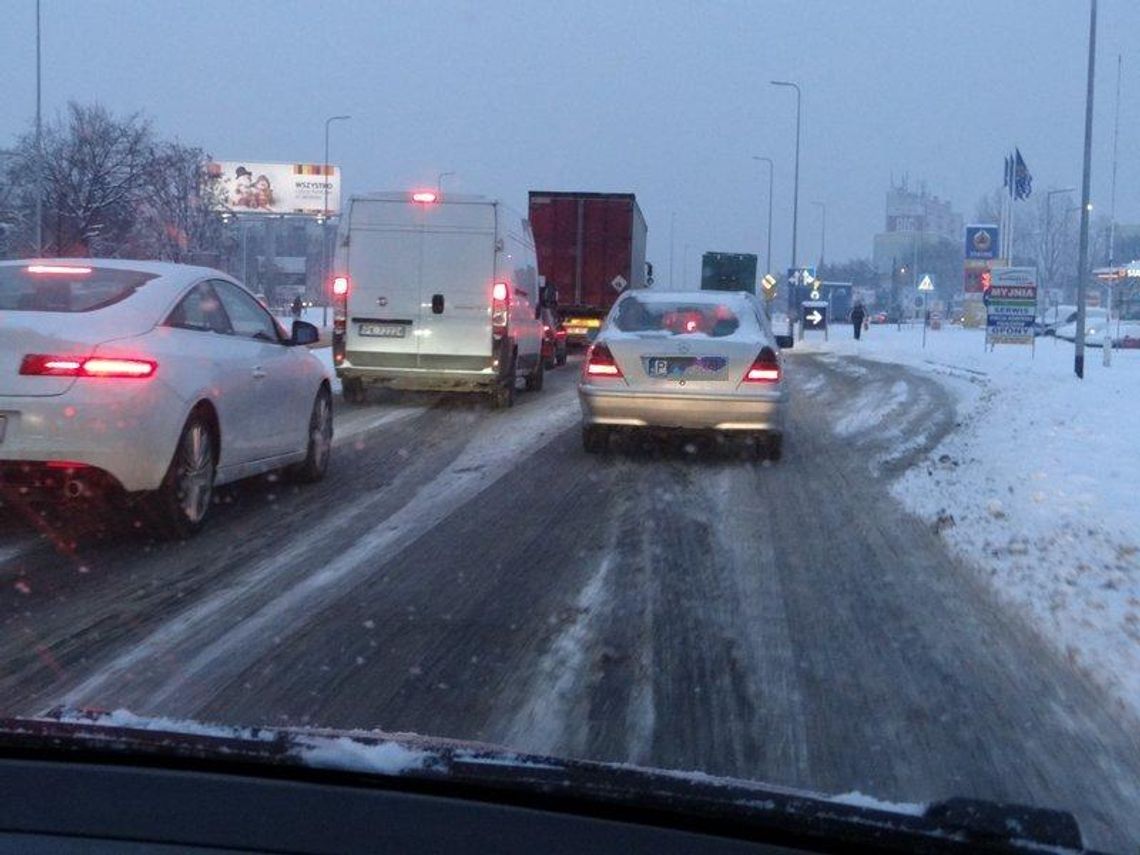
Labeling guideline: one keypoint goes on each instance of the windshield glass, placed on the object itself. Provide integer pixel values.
(63, 288)
(693, 385)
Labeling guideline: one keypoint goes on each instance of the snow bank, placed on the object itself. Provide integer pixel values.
(1037, 486)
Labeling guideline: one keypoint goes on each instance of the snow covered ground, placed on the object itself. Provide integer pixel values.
(1038, 486)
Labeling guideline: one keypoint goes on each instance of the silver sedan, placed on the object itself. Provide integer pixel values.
(704, 360)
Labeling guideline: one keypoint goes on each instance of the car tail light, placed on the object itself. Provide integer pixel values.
(765, 369)
(38, 364)
(600, 362)
(500, 308)
(62, 269)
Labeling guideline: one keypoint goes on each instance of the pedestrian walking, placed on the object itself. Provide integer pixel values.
(858, 315)
(297, 306)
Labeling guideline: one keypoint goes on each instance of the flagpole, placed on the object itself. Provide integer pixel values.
(1012, 208)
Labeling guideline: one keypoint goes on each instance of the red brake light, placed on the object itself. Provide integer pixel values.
(340, 286)
(37, 364)
(766, 368)
(426, 196)
(499, 291)
(600, 362)
(57, 268)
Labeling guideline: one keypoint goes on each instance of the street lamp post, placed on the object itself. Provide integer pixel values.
(768, 251)
(325, 215)
(822, 233)
(795, 193)
(39, 145)
(1083, 254)
(1049, 225)
(439, 182)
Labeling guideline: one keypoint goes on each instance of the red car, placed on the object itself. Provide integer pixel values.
(553, 340)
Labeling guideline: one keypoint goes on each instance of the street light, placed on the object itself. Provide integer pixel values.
(795, 191)
(325, 211)
(329, 121)
(1083, 251)
(822, 233)
(768, 253)
(439, 183)
(1049, 222)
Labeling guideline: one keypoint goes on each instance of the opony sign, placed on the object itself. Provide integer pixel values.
(1011, 306)
(273, 188)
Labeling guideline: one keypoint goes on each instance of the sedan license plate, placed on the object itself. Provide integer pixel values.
(384, 330)
(686, 367)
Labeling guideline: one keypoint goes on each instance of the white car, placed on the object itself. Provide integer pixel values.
(697, 361)
(158, 381)
(1096, 325)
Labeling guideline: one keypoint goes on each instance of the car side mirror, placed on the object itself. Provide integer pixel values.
(785, 342)
(305, 333)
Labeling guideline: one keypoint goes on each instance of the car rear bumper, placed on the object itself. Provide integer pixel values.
(127, 430)
(626, 408)
(421, 373)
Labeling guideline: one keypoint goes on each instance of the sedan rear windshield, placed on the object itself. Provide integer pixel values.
(66, 288)
(676, 318)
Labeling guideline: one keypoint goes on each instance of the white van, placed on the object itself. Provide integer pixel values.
(436, 293)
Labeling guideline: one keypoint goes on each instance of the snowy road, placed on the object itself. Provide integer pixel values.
(475, 574)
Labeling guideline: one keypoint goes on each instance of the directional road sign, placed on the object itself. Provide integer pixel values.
(815, 315)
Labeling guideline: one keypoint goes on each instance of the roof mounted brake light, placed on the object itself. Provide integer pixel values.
(64, 269)
(425, 196)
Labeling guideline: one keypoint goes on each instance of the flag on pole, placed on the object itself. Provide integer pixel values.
(1023, 183)
(1007, 179)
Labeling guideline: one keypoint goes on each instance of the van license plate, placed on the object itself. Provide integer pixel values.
(384, 330)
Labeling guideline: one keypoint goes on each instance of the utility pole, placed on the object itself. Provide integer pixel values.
(795, 198)
(768, 251)
(1083, 255)
(1106, 349)
(39, 232)
(672, 232)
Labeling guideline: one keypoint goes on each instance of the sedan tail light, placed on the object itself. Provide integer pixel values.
(765, 368)
(600, 362)
(42, 365)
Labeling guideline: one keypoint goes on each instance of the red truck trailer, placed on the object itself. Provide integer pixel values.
(591, 248)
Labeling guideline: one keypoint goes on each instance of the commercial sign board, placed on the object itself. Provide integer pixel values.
(1011, 305)
(250, 187)
(981, 241)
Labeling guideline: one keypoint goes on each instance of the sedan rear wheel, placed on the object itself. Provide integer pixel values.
(180, 505)
(319, 449)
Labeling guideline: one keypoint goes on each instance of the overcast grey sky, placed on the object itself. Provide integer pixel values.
(667, 99)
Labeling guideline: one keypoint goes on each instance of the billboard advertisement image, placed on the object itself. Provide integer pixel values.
(273, 188)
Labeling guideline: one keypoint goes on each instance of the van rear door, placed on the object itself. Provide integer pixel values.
(456, 275)
(384, 249)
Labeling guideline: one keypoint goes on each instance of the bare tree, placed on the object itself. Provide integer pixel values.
(1056, 231)
(174, 217)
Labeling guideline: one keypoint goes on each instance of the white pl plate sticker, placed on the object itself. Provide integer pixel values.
(384, 330)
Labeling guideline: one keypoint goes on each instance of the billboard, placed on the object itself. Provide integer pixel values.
(981, 241)
(244, 186)
(1011, 306)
